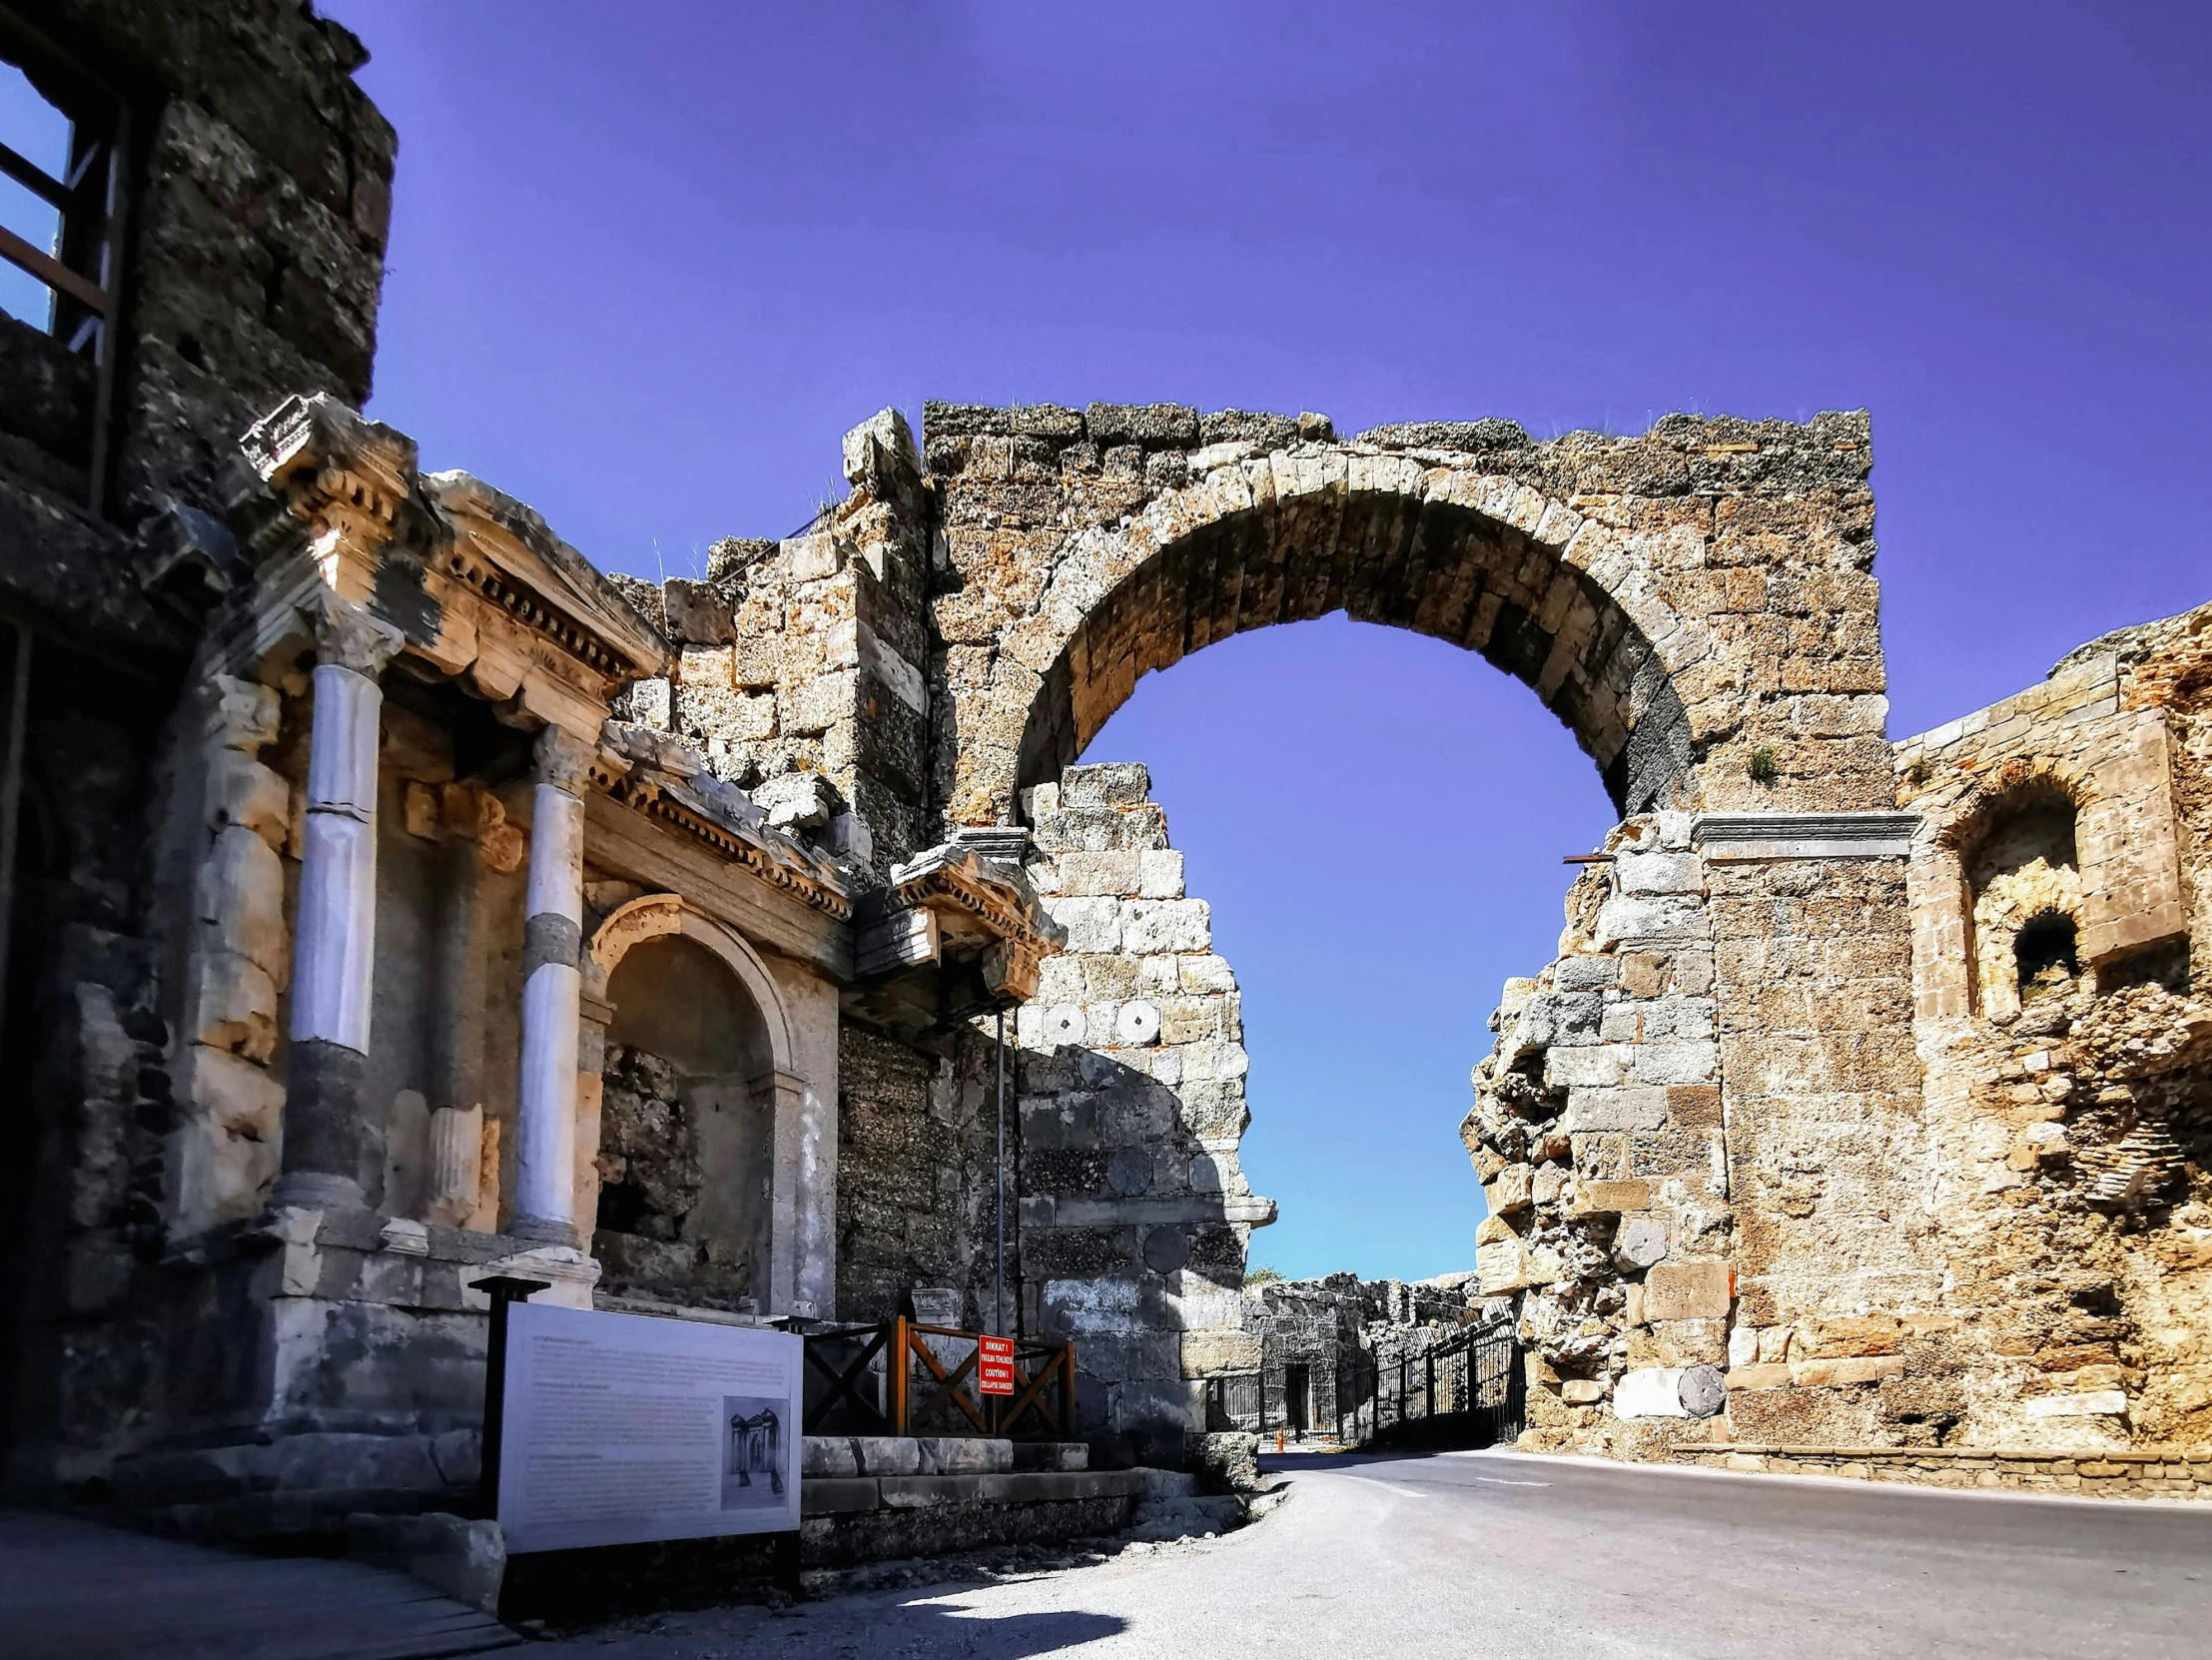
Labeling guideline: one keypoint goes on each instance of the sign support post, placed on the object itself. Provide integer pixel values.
(504, 1291)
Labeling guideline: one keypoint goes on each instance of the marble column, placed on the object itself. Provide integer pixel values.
(335, 934)
(553, 986)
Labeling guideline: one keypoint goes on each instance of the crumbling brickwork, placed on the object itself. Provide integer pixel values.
(2066, 1085)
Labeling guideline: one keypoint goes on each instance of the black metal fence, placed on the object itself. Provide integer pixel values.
(1468, 1390)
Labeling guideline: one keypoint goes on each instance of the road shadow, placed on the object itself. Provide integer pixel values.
(913, 1629)
(1293, 1463)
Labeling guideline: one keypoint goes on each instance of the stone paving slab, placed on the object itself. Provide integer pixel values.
(74, 1590)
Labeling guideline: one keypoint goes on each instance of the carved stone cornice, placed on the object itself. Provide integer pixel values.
(951, 905)
(504, 556)
(758, 851)
(977, 899)
(340, 476)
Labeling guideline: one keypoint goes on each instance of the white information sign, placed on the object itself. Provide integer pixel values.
(622, 1428)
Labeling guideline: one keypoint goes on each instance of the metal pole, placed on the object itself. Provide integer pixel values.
(11, 792)
(504, 1291)
(999, 1297)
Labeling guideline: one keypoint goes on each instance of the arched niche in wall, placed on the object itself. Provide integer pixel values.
(2018, 847)
(682, 1183)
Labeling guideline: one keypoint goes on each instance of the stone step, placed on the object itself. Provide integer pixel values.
(846, 1456)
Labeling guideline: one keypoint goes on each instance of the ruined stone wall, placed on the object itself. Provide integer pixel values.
(257, 205)
(799, 659)
(1344, 1333)
(2068, 1134)
(1135, 1210)
(914, 1175)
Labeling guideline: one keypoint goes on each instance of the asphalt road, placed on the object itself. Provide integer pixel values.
(1476, 1554)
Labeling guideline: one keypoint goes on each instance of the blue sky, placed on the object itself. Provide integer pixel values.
(648, 263)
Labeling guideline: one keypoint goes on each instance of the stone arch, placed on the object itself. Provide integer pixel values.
(2008, 788)
(1993, 906)
(1481, 561)
(654, 916)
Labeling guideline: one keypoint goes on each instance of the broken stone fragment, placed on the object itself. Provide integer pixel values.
(798, 801)
(1701, 1390)
(1641, 1244)
(699, 614)
(1509, 1190)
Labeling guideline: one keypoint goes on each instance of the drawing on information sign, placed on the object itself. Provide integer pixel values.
(995, 1366)
(755, 1448)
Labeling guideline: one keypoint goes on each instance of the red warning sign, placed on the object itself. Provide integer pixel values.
(995, 1366)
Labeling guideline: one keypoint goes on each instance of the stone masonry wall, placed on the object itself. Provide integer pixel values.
(1599, 1132)
(797, 659)
(257, 236)
(1135, 1212)
(134, 1036)
(2069, 1128)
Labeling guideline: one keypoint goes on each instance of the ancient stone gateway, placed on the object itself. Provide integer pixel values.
(687, 914)
(1697, 606)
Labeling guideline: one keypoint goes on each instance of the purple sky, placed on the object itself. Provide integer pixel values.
(648, 263)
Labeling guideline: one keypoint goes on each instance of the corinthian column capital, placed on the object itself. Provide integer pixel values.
(347, 636)
(562, 760)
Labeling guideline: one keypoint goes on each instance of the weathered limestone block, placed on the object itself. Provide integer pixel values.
(242, 900)
(1634, 1106)
(1509, 1190)
(223, 1156)
(243, 792)
(1597, 1067)
(1211, 1352)
(818, 704)
(2095, 1403)
(231, 1004)
(1688, 1290)
(1604, 1197)
(1200, 976)
(1659, 873)
(1821, 1374)
(1627, 918)
(1167, 925)
(1513, 1265)
(1160, 874)
(1093, 923)
(1640, 1243)
(696, 613)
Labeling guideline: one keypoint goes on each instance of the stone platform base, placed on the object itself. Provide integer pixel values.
(846, 1523)
(2140, 1473)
